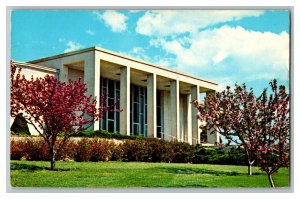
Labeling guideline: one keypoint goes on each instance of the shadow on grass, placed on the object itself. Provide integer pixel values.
(257, 173)
(193, 185)
(200, 171)
(32, 168)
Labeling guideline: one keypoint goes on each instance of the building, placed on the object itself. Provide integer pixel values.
(155, 100)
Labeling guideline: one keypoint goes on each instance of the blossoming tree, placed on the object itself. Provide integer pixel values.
(274, 130)
(260, 125)
(55, 109)
(232, 114)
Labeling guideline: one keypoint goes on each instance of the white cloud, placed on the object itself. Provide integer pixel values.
(155, 42)
(169, 22)
(238, 53)
(224, 54)
(72, 46)
(165, 61)
(134, 11)
(90, 32)
(138, 52)
(226, 81)
(114, 20)
(219, 57)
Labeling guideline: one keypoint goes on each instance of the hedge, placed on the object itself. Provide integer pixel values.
(224, 156)
(105, 134)
(144, 150)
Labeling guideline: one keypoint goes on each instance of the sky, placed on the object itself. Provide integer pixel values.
(226, 46)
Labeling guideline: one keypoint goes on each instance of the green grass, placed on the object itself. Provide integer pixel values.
(138, 174)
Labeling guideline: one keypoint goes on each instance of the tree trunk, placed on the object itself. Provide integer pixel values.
(250, 163)
(53, 153)
(250, 167)
(271, 181)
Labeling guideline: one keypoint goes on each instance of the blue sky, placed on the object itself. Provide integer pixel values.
(243, 46)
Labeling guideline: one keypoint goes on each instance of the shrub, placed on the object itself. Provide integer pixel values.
(86, 133)
(167, 152)
(101, 150)
(183, 152)
(37, 149)
(117, 153)
(68, 151)
(238, 157)
(201, 155)
(82, 150)
(145, 150)
(17, 149)
(155, 150)
(105, 134)
(88, 149)
(224, 156)
(29, 149)
(134, 150)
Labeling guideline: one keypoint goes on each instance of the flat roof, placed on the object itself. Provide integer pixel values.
(95, 48)
(36, 66)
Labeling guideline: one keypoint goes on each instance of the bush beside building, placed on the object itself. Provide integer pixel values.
(145, 150)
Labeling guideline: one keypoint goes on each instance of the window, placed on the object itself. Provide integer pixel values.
(159, 114)
(111, 119)
(203, 137)
(138, 109)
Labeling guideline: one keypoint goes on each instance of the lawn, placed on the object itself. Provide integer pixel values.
(138, 174)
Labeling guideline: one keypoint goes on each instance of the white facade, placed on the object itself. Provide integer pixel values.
(155, 100)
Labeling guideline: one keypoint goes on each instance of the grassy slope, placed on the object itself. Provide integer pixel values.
(137, 174)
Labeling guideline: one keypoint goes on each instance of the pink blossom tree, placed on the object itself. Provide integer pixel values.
(55, 109)
(260, 125)
(274, 130)
(232, 114)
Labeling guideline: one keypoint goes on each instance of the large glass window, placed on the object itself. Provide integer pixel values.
(138, 109)
(137, 112)
(138, 115)
(111, 90)
(159, 114)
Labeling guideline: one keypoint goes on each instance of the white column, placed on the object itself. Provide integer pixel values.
(189, 119)
(215, 137)
(167, 119)
(125, 100)
(174, 95)
(92, 80)
(63, 73)
(151, 106)
(195, 122)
